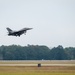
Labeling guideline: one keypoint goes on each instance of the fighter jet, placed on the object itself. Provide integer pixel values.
(17, 33)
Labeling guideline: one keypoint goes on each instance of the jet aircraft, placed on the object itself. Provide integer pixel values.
(17, 33)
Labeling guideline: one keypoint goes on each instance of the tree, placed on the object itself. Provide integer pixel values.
(57, 53)
(70, 52)
(36, 52)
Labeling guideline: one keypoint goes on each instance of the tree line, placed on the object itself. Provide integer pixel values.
(36, 52)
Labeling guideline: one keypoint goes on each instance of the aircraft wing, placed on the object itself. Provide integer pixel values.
(20, 32)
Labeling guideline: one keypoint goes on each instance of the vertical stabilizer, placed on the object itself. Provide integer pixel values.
(9, 30)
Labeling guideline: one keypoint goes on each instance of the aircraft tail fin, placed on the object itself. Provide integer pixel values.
(9, 30)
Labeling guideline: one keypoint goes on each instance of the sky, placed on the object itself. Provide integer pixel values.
(53, 22)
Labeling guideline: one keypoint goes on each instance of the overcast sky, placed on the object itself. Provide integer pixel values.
(53, 22)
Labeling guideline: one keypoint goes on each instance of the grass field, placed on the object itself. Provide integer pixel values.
(34, 70)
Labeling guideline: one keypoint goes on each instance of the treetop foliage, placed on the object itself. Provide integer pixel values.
(36, 52)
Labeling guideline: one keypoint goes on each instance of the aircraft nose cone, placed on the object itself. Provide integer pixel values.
(29, 28)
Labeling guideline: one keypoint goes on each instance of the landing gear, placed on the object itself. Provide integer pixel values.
(18, 35)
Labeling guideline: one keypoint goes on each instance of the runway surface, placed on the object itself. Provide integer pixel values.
(35, 63)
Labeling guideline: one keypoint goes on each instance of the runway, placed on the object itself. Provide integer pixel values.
(37, 64)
